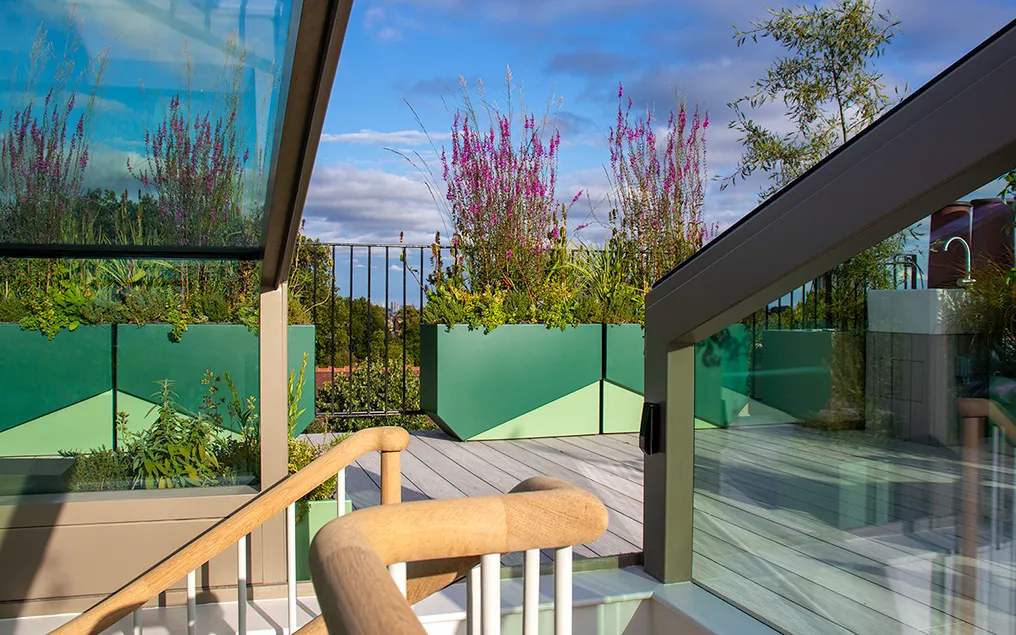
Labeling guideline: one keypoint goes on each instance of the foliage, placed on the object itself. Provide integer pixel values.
(45, 150)
(827, 81)
(370, 390)
(100, 470)
(656, 220)
(500, 187)
(195, 168)
(987, 310)
(176, 451)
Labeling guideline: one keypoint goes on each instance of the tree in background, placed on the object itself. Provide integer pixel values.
(832, 90)
(828, 82)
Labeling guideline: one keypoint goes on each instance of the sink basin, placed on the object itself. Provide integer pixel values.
(924, 311)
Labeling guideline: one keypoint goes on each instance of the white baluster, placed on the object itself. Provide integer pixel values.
(490, 594)
(531, 593)
(241, 586)
(563, 591)
(192, 603)
(398, 573)
(291, 566)
(138, 627)
(473, 602)
(340, 491)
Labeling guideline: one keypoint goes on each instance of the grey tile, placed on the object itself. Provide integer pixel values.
(917, 382)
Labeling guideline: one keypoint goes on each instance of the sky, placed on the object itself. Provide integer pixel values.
(401, 61)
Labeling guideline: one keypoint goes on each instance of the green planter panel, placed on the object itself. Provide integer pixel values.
(721, 376)
(58, 393)
(721, 389)
(319, 514)
(146, 355)
(517, 381)
(39, 376)
(624, 377)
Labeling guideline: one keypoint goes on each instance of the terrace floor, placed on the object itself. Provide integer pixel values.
(814, 532)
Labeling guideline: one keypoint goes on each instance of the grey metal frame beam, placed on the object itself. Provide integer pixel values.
(949, 138)
(320, 31)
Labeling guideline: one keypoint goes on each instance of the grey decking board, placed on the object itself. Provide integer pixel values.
(467, 482)
(804, 479)
(593, 471)
(624, 526)
(815, 476)
(613, 467)
(460, 453)
(837, 607)
(429, 482)
(623, 457)
(614, 542)
(875, 597)
(360, 488)
(904, 581)
(761, 602)
(905, 496)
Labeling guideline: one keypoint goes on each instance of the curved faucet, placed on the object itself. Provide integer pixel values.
(966, 280)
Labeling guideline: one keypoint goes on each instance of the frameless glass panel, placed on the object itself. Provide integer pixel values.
(854, 455)
(138, 123)
(128, 374)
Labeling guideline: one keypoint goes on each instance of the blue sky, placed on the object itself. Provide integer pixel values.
(410, 50)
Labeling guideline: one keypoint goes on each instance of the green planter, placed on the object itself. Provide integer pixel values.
(721, 389)
(318, 515)
(721, 377)
(624, 377)
(58, 394)
(517, 381)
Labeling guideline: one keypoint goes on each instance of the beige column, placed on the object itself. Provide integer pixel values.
(274, 422)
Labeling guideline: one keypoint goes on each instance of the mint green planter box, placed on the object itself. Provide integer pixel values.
(319, 514)
(721, 391)
(624, 377)
(58, 394)
(517, 381)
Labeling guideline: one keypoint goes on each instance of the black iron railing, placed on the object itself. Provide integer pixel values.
(366, 301)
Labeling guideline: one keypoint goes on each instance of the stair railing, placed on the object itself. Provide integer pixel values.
(235, 528)
(349, 556)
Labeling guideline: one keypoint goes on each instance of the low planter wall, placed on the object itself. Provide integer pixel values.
(61, 394)
(517, 381)
(525, 380)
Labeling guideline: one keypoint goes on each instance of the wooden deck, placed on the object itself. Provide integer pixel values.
(816, 533)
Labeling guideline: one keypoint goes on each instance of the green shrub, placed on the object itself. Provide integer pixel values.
(100, 470)
(215, 308)
(12, 310)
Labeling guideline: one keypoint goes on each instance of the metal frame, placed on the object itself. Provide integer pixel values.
(879, 183)
(321, 29)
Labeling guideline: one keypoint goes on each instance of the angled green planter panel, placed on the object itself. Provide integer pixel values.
(516, 381)
(624, 377)
(57, 394)
(146, 355)
(39, 376)
(319, 514)
(721, 376)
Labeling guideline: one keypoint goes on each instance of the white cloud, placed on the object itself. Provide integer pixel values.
(348, 204)
(374, 137)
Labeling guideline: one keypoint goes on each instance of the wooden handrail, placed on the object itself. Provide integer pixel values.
(988, 409)
(273, 500)
(349, 555)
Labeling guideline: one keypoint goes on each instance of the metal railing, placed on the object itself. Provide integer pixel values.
(363, 371)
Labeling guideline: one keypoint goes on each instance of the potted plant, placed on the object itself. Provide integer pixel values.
(530, 333)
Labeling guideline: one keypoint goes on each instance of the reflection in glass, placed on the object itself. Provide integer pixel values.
(128, 374)
(854, 462)
(139, 123)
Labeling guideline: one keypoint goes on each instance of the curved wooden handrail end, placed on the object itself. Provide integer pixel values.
(349, 555)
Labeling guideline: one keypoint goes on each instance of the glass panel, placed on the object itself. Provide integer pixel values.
(138, 123)
(128, 374)
(854, 457)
